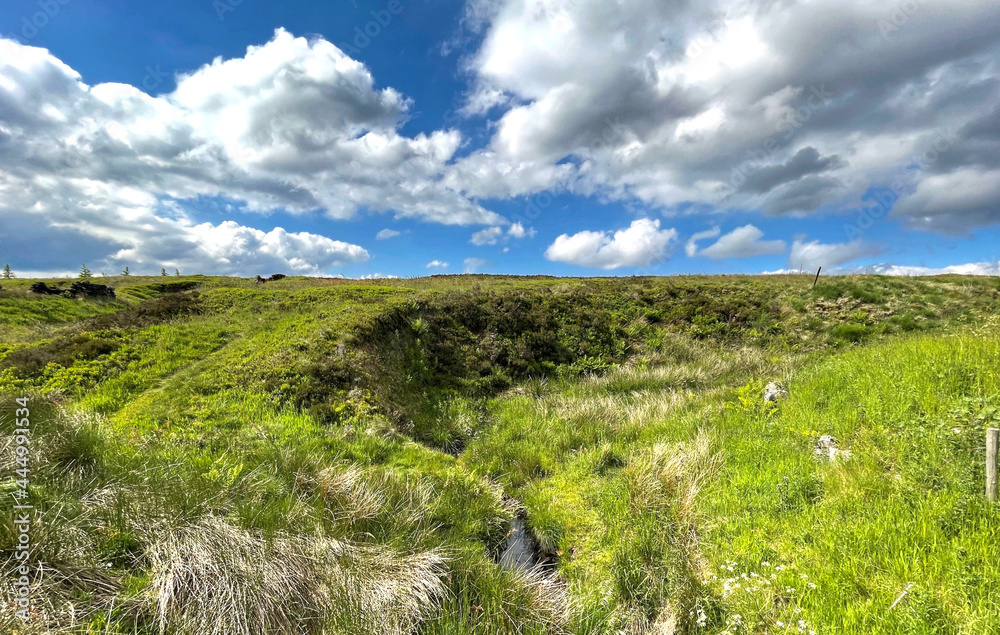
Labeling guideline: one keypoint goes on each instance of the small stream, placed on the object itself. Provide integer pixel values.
(521, 550)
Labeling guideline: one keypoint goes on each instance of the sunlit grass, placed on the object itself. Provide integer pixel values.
(904, 512)
(411, 421)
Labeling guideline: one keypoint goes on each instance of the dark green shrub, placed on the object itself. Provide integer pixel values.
(149, 312)
(851, 332)
(63, 351)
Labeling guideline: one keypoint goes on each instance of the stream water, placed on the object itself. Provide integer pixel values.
(521, 550)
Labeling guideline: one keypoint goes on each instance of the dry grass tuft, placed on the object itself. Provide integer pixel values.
(63, 597)
(377, 591)
(549, 602)
(347, 490)
(619, 412)
(213, 578)
(355, 494)
(671, 473)
(636, 623)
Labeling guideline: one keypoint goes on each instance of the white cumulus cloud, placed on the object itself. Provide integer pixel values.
(294, 125)
(642, 244)
(488, 236)
(473, 265)
(741, 105)
(517, 230)
(691, 248)
(968, 269)
(233, 249)
(814, 254)
(493, 235)
(742, 242)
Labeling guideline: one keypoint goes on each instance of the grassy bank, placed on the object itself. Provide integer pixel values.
(331, 452)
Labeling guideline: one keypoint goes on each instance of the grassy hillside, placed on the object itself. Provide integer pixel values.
(352, 457)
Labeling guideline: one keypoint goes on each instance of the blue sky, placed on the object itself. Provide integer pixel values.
(561, 137)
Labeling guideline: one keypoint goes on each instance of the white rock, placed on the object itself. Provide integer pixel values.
(826, 441)
(827, 447)
(773, 392)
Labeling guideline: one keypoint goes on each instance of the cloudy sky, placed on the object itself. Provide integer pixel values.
(568, 137)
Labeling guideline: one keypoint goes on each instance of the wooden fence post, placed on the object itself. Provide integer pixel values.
(817, 277)
(992, 442)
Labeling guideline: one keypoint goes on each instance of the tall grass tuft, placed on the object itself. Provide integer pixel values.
(671, 475)
(549, 600)
(658, 568)
(213, 578)
(64, 597)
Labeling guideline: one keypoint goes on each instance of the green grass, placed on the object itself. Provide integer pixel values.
(905, 509)
(392, 430)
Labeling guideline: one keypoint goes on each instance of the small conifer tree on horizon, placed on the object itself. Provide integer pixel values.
(7, 273)
(85, 271)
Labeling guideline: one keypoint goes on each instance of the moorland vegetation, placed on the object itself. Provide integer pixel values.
(216, 455)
